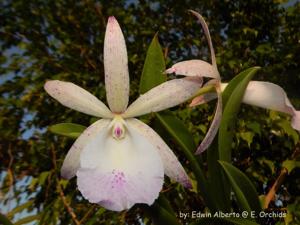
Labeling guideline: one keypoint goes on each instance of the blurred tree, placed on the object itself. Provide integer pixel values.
(63, 39)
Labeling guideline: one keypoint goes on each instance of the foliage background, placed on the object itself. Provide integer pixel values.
(63, 40)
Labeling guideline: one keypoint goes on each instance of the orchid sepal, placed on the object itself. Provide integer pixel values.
(116, 67)
(77, 98)
(164, 96)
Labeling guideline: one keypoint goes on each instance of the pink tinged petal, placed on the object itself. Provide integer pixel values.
(271, 96)
(199, 100)
(118, 173)
(75, 97)
(72, 160)
(194, 67)
(164, 96)
(172, 166)
(213, 129)
(198, 68)
(207, 35)
(116, 67)
(208, 96)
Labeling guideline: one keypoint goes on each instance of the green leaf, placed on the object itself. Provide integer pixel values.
(42, 177)
(254, 126)
(19, 208)
(27, 219)
(286, 126)
(247, 136)
(164, 202)
(269, 163)
(177, 130)
(218, 184)
(235, 220)
(71, 130)
(243, 188)
(96, 216)
(160, 215)
(154, 67)
(290, 164)
(262, 199)
(184, 139)
(4, 220)
(221, 147)
(232, 98)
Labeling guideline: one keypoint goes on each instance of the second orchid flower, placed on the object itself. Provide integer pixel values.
(258, 93)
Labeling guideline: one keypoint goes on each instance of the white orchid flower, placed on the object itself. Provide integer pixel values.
(258, 93)
(200, 69)
(119, 160)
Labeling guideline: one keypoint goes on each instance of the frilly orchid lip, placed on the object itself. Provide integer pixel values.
(119, 160)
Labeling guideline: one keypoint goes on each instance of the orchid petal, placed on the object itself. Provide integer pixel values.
(116, 67)
(117, 173)
(199, 100)
(194, 67)
(208, 96)
(207, 35)
(271, 96)
(75, 97)
(72, 160)
(172, 166)
(213, 129)
(166, 95)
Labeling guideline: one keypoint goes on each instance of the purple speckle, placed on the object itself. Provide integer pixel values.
(118, 180)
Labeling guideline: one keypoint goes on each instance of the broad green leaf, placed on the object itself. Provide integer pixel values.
(232, 98)
(290, 164)
(218, 184)
(71, 130)
(184, 139)
(154, 67)
(236, 81)
(221, 149)
(215, 220)
(243, 188)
